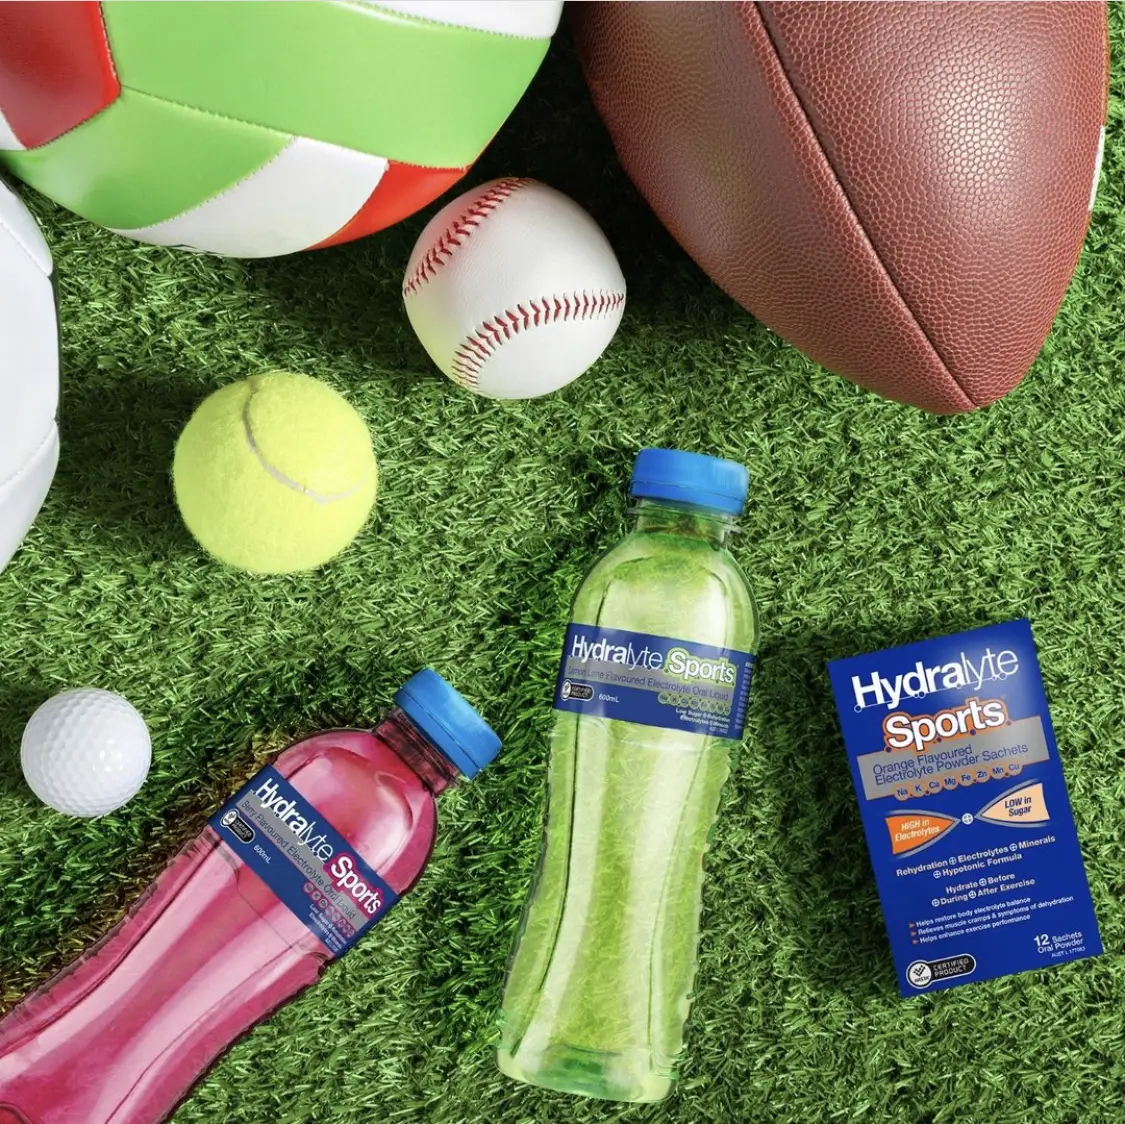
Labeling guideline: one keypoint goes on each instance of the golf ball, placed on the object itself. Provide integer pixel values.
(85, 752)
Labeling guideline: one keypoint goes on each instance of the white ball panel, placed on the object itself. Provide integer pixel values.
(305, 194)
(22, 496)
(29, 358)
(527, 19)
(29, 373)
(18, 225)
(9, 142)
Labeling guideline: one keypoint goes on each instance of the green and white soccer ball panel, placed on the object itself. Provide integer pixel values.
(303, 195)
(29, 373)
(252, 130)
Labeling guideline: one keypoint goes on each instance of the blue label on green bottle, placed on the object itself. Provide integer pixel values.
(654, 681)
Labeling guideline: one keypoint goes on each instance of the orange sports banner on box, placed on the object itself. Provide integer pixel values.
(911, 832)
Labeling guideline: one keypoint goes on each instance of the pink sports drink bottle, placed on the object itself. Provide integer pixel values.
(287, 875)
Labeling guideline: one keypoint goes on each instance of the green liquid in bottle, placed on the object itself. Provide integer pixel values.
(600, 984)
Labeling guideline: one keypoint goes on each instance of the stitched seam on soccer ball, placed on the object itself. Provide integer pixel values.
(479, 346)
(23, 246)
(459, 230)
(229, 190)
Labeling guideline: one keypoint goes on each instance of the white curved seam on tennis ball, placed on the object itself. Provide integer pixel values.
(280, 477)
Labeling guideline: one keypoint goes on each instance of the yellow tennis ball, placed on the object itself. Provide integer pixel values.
(275, 473)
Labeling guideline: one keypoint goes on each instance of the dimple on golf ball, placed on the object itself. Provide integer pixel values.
(85, 752)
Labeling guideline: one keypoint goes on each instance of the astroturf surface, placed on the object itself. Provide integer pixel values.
(869, 524)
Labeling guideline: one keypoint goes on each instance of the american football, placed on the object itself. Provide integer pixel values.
(900, 190)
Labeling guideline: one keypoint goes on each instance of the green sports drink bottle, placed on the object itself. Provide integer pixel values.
(651, 694)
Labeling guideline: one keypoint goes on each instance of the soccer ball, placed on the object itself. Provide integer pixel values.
(29, 373)
(258, 129)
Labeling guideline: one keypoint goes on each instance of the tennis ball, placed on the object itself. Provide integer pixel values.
(275, 473)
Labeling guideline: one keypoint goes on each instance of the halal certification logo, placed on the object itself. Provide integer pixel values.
(237, 826)
(920, 974)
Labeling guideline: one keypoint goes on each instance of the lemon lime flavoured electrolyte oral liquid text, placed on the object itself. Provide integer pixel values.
(651, 694)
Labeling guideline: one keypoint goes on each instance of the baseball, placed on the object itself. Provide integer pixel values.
(513, 289)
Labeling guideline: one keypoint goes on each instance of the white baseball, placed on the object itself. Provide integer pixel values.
(513, 289)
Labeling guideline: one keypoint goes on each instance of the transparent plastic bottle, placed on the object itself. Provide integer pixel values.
(233, 928)
(652, 690)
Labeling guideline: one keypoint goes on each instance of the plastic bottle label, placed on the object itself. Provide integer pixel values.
(303, 859)
(654, 681)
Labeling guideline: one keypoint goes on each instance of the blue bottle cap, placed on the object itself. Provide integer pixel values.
(443, 715)
(692, 478)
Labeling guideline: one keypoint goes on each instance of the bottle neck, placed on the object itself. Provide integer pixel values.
(669, 518)
(434, 769)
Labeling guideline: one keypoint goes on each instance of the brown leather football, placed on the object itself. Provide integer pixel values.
(899, 189)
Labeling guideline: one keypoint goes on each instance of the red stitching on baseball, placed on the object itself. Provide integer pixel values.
(479, 345)
(460, 229)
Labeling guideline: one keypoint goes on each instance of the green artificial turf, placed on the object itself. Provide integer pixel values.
(869, 524)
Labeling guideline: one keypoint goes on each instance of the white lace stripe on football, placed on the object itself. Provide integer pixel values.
(23, 495)
(18, 223)
(527, 19)
(307, 192)
(8, 140)
(513, 289)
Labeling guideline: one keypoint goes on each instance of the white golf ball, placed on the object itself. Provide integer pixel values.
(85, 752)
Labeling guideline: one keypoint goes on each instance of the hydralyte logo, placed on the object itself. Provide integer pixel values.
(292, 816)
(667, 682)
(294, 848)
(605, 651)
(679, 663)
(922, 680)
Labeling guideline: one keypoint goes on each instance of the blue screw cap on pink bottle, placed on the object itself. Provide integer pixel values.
(451, 723)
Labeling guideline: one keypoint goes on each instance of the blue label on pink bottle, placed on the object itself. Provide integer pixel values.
(303, 859)
(654, 681)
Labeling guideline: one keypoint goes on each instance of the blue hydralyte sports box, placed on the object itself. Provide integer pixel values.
(965, 808)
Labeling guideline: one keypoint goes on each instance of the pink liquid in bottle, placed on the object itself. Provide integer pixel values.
(232, 929)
